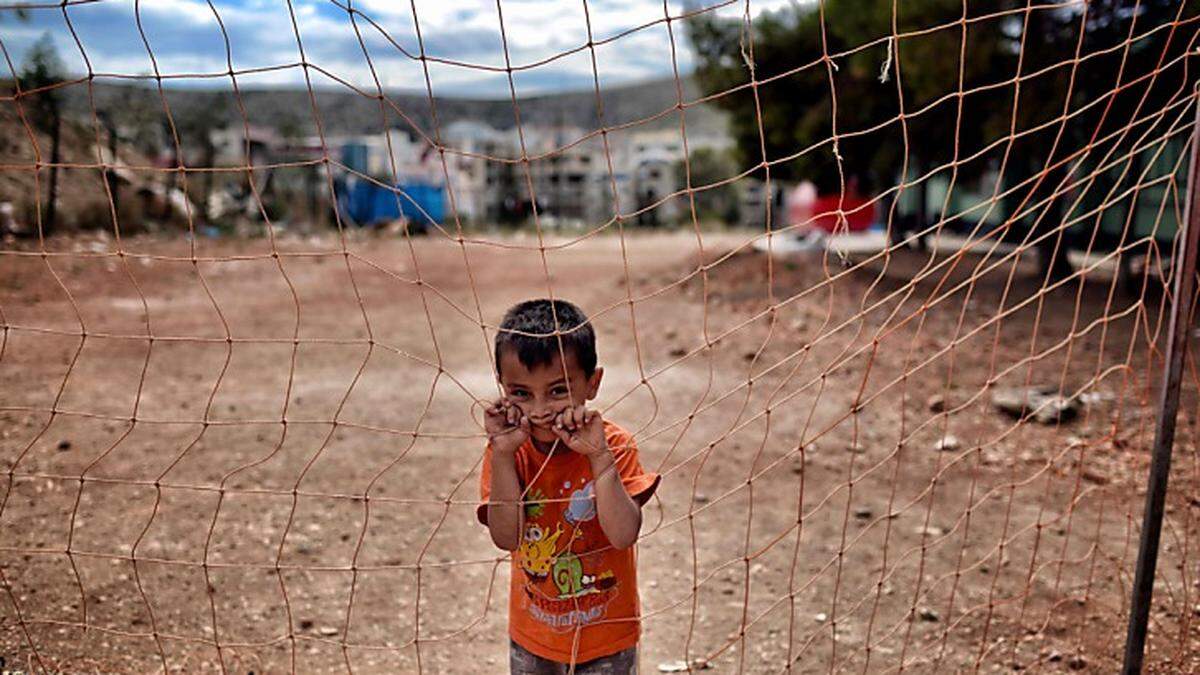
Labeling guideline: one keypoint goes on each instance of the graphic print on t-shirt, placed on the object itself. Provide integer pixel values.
(559, 589)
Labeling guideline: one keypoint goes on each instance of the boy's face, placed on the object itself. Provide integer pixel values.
(545, 391)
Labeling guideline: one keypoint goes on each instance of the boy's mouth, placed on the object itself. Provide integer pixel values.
(543, 431)
(543, 435)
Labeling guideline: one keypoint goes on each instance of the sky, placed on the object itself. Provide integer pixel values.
(185, 38)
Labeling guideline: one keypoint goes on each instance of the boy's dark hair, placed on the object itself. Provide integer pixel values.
(534, 339)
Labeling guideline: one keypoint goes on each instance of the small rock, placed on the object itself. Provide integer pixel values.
(948, 443)
(64, 445)
(683, 666)
(1077, 662)
(305, 624)
(936, 403)
(1094, 397)
(1015, 401)
(1056, 409)
(677, 352)
(1054, 656)
(821, 617)
(862, 513)
(327, 631)
(928, 614)
(856, 448)
(701, 498)
(1047, 406)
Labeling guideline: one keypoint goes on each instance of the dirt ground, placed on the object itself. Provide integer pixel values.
(284, 478)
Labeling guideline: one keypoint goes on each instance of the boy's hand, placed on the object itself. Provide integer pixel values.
(582, 430)
(507, 428)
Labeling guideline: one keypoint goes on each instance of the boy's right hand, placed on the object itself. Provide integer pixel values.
(507, 428)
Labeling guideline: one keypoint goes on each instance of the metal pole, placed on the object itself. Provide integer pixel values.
(1164, 431)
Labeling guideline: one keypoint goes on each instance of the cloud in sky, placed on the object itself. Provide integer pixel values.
(379, 41)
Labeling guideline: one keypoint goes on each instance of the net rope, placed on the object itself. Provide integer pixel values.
(885, 556)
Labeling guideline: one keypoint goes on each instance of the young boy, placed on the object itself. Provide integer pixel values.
(562, 489)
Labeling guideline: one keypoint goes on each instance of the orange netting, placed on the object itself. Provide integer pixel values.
(253, 453)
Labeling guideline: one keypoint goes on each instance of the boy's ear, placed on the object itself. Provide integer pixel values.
(594, 382)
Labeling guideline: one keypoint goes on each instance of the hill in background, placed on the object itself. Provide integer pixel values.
(344, 111)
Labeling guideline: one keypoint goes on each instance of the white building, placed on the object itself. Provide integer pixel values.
(392, 156)
(479, 178)
(572, 178)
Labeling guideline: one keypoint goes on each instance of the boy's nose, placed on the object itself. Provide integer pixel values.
(544, 412)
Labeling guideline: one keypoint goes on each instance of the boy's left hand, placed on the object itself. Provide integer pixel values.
(582, 430)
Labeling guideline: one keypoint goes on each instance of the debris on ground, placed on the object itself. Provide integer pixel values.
(947, 443)
(1043, 402)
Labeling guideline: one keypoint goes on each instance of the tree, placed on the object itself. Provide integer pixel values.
(1114, 32)
(1003, 36)
(42, 70)
(797, 108)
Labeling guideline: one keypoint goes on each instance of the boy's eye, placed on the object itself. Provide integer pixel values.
(560, 391)
(518, 393)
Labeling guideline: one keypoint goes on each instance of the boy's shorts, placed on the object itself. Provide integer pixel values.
(522, 662)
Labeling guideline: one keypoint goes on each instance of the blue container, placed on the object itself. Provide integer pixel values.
(431, 200)
(354, 157)
(367, 203)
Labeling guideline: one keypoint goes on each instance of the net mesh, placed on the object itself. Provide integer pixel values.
(262, 453)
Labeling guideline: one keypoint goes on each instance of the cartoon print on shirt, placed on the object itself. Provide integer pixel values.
(582, 505)
(559, 591)
(534, 506)
(538, 550)
(572, 582)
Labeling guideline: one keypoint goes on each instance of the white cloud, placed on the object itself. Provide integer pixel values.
(185, 38)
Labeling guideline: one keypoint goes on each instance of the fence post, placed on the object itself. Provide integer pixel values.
(1164, 427)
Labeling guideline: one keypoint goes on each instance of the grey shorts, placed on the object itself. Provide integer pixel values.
(522, 662)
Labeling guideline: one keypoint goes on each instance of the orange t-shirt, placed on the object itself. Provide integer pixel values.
(565, 574)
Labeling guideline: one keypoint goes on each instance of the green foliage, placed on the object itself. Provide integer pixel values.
(43, 68)
(785, 49)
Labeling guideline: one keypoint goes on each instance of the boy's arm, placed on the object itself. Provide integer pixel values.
(507, 430)
(620, 517)
(504, 518)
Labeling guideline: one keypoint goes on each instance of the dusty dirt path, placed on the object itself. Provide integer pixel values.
(840, 551)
